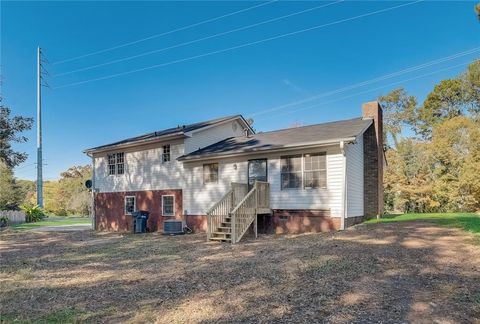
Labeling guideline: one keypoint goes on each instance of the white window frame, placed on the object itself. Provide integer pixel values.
(301, 171)
(117, 155)
(316, 170)
(163, 206)
(115, 163)
(110, 157)
(125, 204)
(302, 187)
(203, 173)
(164, 154)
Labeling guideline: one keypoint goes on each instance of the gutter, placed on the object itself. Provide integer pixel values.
(94, 220)
(290, 147)
(135, 143)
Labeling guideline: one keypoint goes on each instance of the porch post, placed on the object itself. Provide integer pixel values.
(208, 227)
(232, 235)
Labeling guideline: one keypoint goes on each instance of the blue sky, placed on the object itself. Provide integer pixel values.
(246, 80)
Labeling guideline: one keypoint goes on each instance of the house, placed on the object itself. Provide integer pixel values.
(222, 177)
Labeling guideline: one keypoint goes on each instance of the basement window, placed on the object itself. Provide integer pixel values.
(166, 153)
(129, 205)
(168, 205)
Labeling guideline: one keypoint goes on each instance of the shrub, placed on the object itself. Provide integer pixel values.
(3, 221)
(33, 213)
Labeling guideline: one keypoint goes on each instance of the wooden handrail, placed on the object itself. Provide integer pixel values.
(220, 201)
(245, 212)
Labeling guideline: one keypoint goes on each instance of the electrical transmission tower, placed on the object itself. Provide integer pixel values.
(40, 83)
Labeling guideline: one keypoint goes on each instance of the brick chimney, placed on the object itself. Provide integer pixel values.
(373, 160)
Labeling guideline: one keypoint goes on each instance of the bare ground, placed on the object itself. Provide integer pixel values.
(396, 272)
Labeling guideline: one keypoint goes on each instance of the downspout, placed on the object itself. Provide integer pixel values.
(94, 221)
(344, 191)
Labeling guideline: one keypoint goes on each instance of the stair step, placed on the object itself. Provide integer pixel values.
(221, 234)
(220, 239)
(228, 228)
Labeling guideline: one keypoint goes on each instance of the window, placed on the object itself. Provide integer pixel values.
(168, 205)
(210, 172)
(111, 164)
(291, 171)
(307, 171)
(166, 153)
(116, 163)
(314, 171)
(129, 205)
(120, 163)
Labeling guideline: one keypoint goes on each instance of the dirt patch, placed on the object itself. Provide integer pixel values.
(395, 272)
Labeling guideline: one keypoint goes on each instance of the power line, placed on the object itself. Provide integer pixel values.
(370, 90)
(238, 46)
(164, 33)
(24, 166)
(367, 82)
(196, 40)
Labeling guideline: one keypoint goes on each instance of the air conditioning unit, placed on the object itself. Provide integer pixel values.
(173, 227)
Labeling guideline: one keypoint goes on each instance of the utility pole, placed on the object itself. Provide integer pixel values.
(39, 129)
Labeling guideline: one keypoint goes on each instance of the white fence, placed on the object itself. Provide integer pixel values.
(14, 216)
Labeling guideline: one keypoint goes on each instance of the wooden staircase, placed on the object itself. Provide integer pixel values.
(229, 219)
(223, 232)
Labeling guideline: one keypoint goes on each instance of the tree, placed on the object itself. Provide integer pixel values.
(10, 194)
(10, 127)
(447, 100)
(407, 178)
(72, 186)
(438, 171)
(455, 149)
(471, 81)
(477, 10)
(398, 111)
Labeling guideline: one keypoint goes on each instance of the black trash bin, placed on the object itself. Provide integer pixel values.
(140, 221)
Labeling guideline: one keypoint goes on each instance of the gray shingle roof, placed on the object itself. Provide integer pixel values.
(182, 129)
(290, 137)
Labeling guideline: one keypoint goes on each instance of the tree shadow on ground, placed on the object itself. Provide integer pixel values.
(396, 272)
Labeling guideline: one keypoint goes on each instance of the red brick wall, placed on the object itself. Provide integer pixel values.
(197, 223)
(302, 221)
(110, 209)
(373, 160)
(282, 222)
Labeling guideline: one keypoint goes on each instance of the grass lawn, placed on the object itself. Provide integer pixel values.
(54, 221)
(390, 272)
(469, 222)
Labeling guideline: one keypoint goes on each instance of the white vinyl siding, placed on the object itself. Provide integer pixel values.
(199, 197)
(355, 181)
(209, 136)
(143, 169)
